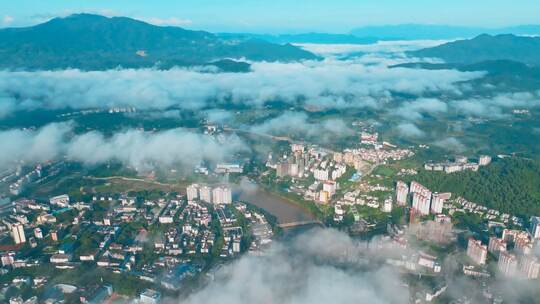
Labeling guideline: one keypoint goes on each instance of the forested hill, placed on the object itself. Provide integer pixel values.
(486, 48)
(93, 42)
(501, 75)
(510, 185)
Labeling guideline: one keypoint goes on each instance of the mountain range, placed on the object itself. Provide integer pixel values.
(511, 63)
(372, 34)
(486, 48)
(426, 31)
(501, 75)
(93, 42)
(314, 38)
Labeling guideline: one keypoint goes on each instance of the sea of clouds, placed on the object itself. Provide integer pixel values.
(132, 147)
(304, 271)
(365, 81)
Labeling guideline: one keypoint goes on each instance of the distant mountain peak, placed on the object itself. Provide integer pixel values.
(486, 47)
(85, 16)
(435, 31)
(89, 42)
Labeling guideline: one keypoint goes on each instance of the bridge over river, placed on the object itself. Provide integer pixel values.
(298, 224)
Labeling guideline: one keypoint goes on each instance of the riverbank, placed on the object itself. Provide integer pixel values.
(283, 208)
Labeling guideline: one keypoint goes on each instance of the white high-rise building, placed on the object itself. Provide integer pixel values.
(38, 233)
(222, 195)
(476, 251)
(324, 196)
(535, 227)
(227, 195)
(387, 205)
(217, 195)
(17, 231)
(496, 245)
(484, 160)
(402, 190)
(320, 174)
(338, 171)
(437, 201)
(421, 203)
(297, 148)
(330, 187)
(416, 187)
(60, 200)
(421, 198)
(293, 169)
(529, 267)
(192, 192)
(507, 263)
(205, 194)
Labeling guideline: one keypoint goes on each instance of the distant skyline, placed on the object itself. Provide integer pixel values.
(282, 16)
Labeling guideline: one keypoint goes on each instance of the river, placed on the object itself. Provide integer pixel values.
(284, 210)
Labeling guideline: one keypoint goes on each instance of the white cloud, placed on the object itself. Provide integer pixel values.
(498, 106)
(7, 20)
(305, 271)
(138, 149)
(32, 146)
(396, 47)
(297, 124)
(450, 144)
(329, 83)
(409, 130)
(218, 116)
(170, 21)
(414, 110)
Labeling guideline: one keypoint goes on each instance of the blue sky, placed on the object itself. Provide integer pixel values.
(283, 15)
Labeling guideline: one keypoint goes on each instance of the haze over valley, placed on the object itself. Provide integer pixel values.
(148, 161)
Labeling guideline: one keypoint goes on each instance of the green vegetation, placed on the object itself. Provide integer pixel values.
(511, 185)
(504, 75)
(92, 42)
(469, 221)
(486, 47)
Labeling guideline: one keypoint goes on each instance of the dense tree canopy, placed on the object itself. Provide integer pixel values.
(510, 185)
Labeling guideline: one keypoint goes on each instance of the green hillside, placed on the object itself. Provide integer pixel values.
(93, 42)
(510, 185)
(486, 48)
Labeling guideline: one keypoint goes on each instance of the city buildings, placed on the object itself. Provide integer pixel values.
(496, 246)
(507, 264)
(17, 232)
(192, 192)
(402, 191)
(484, 160)
(60, 200)
(535, 227)
(320, 174)
(476, 251)
(205, 193)
(421, 202)
(330, 187)
(293, 169)
(460, 163)
(222, 195)
(297, 148)
(437, 201)
(324, 196)
(282, 169)
(529, 267)
(387, 205)
(369, 138)
(38, 233)
(229, 168)
(150, 296)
